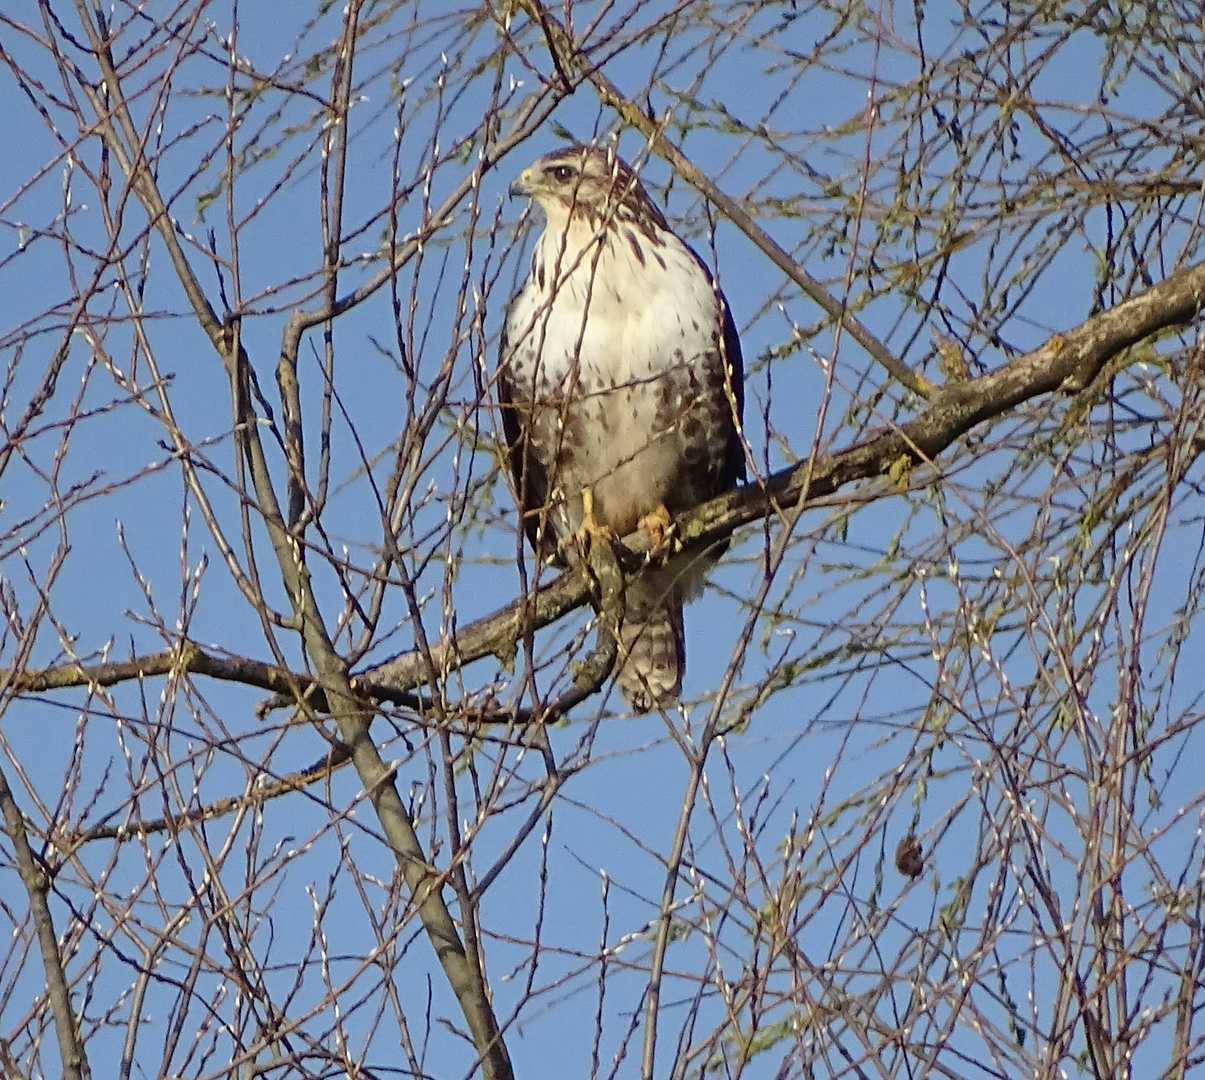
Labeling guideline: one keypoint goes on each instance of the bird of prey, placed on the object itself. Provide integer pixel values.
(621, 388)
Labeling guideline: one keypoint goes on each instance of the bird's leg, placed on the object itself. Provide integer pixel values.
(591, 530)
(657, 521)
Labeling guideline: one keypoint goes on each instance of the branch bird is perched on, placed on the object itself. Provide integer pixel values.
(621, 391)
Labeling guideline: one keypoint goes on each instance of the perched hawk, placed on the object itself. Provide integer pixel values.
(620, 386)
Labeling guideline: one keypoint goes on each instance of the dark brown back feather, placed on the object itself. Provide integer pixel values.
(531, 480)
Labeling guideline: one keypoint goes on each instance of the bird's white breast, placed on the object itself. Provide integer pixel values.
(614, 317)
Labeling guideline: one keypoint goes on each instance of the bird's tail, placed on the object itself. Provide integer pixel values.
(652, 653)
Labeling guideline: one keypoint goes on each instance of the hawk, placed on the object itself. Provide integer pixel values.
(620, 385)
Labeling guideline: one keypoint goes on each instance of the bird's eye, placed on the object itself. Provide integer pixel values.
(562, 174)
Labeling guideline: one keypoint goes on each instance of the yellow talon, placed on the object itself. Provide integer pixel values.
(657, 521)
(590, 529)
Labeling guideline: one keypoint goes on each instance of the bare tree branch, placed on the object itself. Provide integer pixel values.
(37, 888)
(956, 619)
(1068, 362)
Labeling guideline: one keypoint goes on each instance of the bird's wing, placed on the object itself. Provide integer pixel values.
(734, 453)
(530, 476)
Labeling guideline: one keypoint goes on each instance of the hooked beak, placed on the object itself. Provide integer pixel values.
(520, 186)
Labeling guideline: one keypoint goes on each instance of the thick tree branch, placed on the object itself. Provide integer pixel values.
(37, 887)
(348, 709)
(188, 658)
(1067, 361)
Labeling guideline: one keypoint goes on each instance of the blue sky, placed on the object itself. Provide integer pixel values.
(890, 698)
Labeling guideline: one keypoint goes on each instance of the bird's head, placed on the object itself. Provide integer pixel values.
(586, 183)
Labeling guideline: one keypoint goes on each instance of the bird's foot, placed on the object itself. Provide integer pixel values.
(658, 522)
(591, 531)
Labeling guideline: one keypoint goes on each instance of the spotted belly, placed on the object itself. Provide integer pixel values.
(656, 442)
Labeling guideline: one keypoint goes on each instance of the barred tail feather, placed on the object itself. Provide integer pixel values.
(652, 657)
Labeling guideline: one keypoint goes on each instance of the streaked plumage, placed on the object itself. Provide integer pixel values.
(620, 373)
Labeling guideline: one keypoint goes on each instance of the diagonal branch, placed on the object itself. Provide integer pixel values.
(37, 885)
(351, 713)
(1066, 362)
